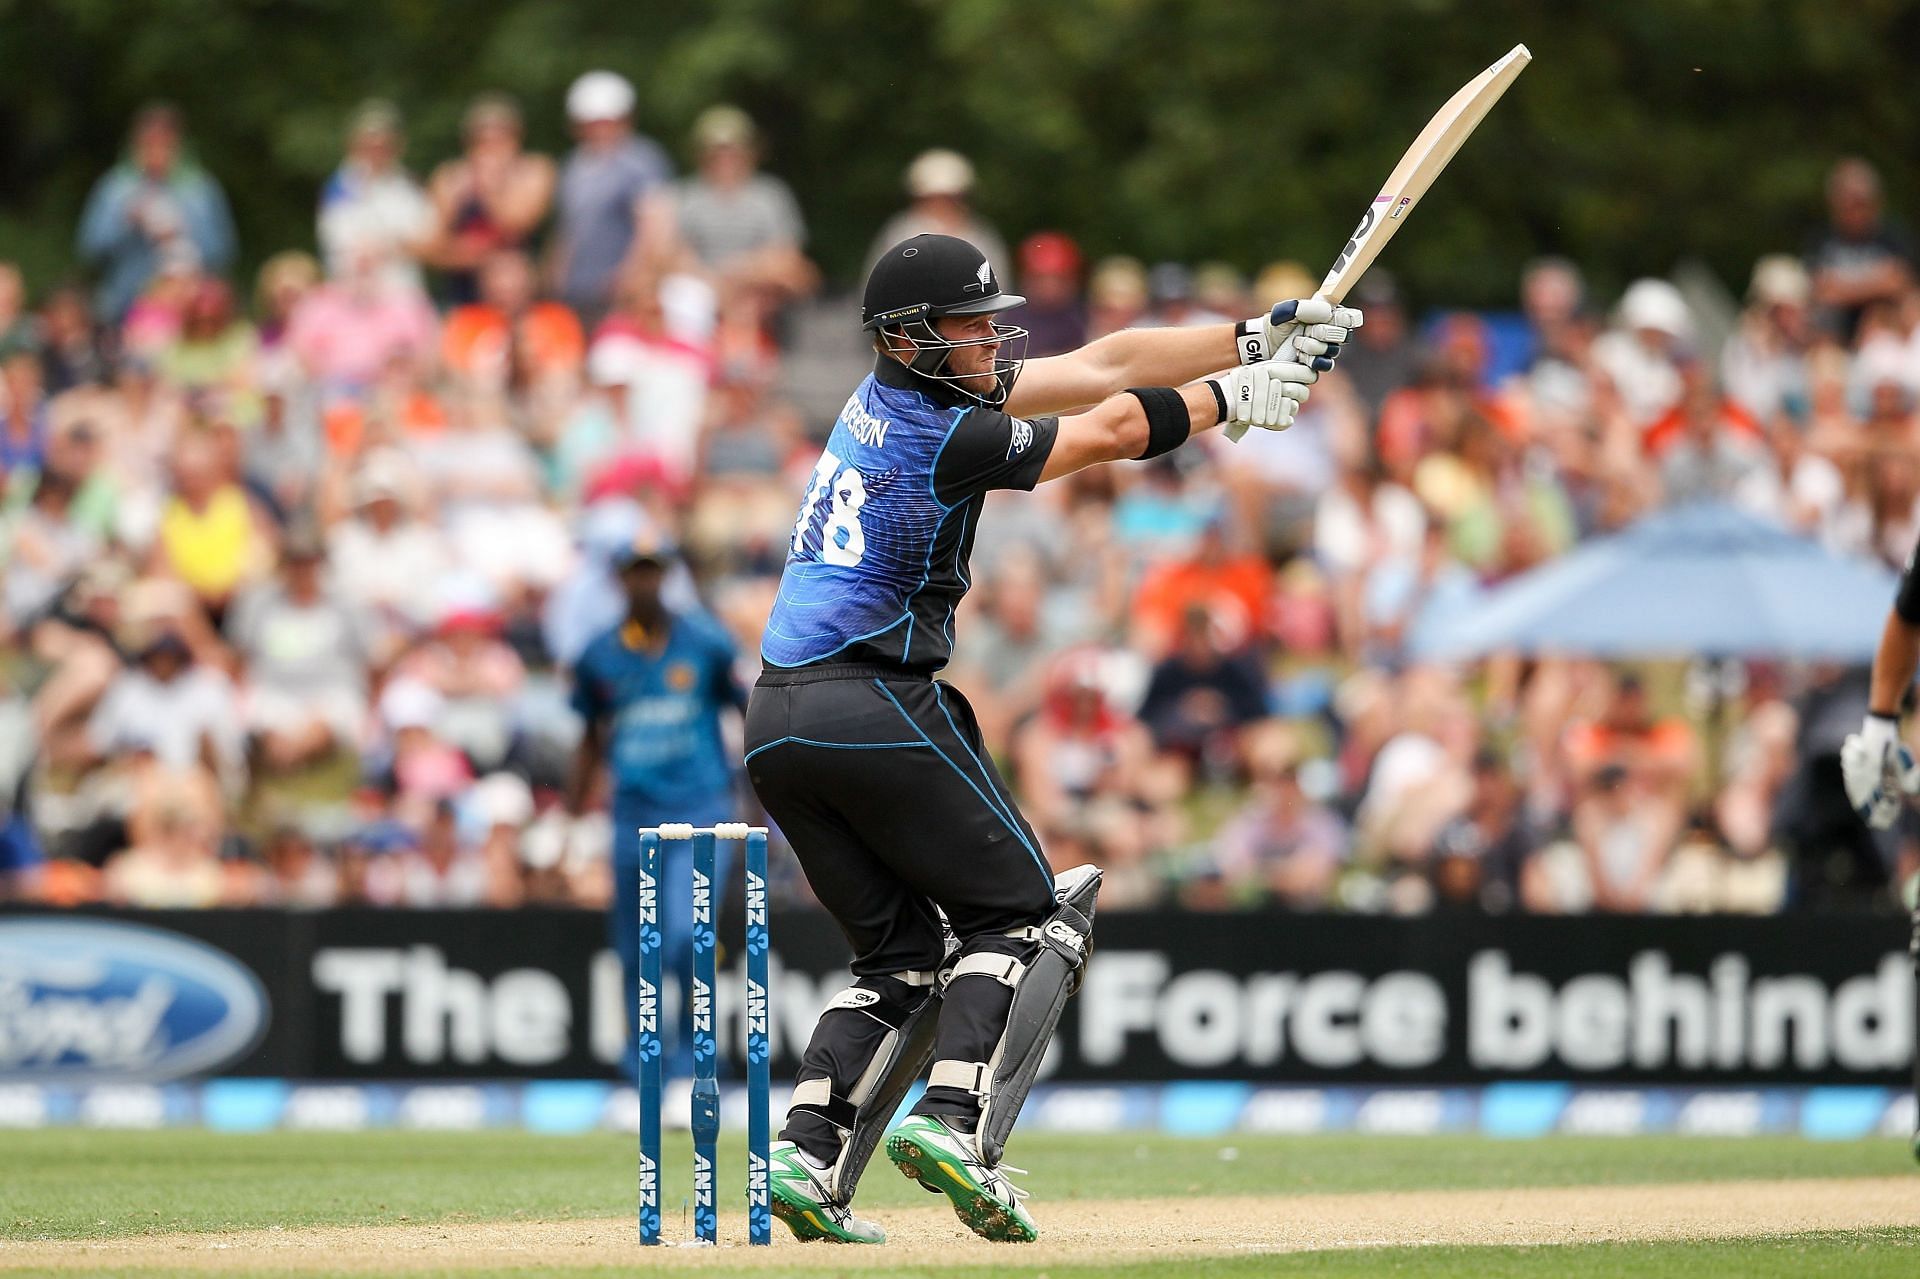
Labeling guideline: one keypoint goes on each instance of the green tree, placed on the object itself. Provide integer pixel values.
(1645, 132)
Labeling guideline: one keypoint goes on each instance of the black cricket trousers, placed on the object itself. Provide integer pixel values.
(879, 779)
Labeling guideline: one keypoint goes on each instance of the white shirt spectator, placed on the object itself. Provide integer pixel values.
(383, 214)
(169, 717)
(1349, 537)
(383, 572)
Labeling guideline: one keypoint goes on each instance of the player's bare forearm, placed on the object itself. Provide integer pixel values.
(1116, 429)
(1131, 357)
(1893, 665)
(586, 768)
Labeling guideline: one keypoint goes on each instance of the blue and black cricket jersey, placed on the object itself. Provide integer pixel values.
(878, 559)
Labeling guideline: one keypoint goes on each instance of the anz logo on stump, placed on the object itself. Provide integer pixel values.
(87, 999)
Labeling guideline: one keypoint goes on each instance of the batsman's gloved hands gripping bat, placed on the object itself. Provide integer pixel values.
(1266, 395)
(1879, 771)
(1309, 330)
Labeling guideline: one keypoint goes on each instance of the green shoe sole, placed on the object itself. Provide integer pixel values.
(982, 1213)
(808, 1223)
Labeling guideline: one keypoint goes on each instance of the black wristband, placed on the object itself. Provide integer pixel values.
(1168, 422)
(1219, 398)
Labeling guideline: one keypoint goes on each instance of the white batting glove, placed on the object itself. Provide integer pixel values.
(1315, 328)
(1265, 395)
(1879, 771)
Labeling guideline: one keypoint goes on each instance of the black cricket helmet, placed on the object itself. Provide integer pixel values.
(924, 278)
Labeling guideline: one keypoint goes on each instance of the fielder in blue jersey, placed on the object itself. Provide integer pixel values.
(651, 692)
(965, 945)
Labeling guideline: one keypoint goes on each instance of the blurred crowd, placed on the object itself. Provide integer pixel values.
(295, 568)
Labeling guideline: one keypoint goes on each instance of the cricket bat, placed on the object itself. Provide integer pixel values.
(1451, 125)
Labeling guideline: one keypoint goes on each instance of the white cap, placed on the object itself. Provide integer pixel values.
(939, 172)
(502, 799)
(1657, 305)
(600, 95)
(1780, 279)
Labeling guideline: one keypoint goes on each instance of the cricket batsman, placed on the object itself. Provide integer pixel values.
(1876, 764)
(876, 772)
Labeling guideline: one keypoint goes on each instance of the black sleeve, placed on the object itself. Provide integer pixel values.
(987, 449)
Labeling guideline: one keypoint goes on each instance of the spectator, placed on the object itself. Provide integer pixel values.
(489, 200)
(305, 653)
(73, 351)
(1054, 317)
(1643, 356)
(1478, 856)
(211, 536)
(939, 184)
(1709, 448)
(615, 217)
(1764, 364)
(475, 677)
(17, 329)
(507, 339)
(1233, 586)
(1281, 845)
(1625, 830)
(214, 355)
(178, 866)
(350, 330)
(1116, 296)
(1383, 355)
(741, 227)
(1170, 297)
(433, 870)
(45, 548)
(284, 280)
(300, 874)
(1201, 696)
(384, 553)
(166, 705)
(371, 205)
(23, 413)
(1080, 750)
(153, 202)
(1860, 257)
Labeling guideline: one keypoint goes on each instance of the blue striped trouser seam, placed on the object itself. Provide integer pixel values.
(835, 746)
(948, 760)
(1005, 809)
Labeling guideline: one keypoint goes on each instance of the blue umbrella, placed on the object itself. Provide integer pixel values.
(1705, 580)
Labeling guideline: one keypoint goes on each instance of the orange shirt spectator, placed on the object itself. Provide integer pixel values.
(506, 338)
(1235, 591)
(479, 339)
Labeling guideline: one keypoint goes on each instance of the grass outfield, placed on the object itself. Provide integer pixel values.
(74, 1186)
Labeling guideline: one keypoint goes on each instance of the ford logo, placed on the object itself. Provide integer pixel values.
(94, 999)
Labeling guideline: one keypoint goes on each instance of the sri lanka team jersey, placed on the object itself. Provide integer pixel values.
(663, 709)
(878, 558)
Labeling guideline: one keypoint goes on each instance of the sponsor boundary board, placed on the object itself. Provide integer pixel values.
(1816, 1000)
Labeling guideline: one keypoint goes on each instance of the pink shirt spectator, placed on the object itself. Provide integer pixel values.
(349, 335)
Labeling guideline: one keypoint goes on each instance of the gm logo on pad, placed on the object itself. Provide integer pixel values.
(88, 999)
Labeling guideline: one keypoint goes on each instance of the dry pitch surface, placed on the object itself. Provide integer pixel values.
(1113, 1230)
